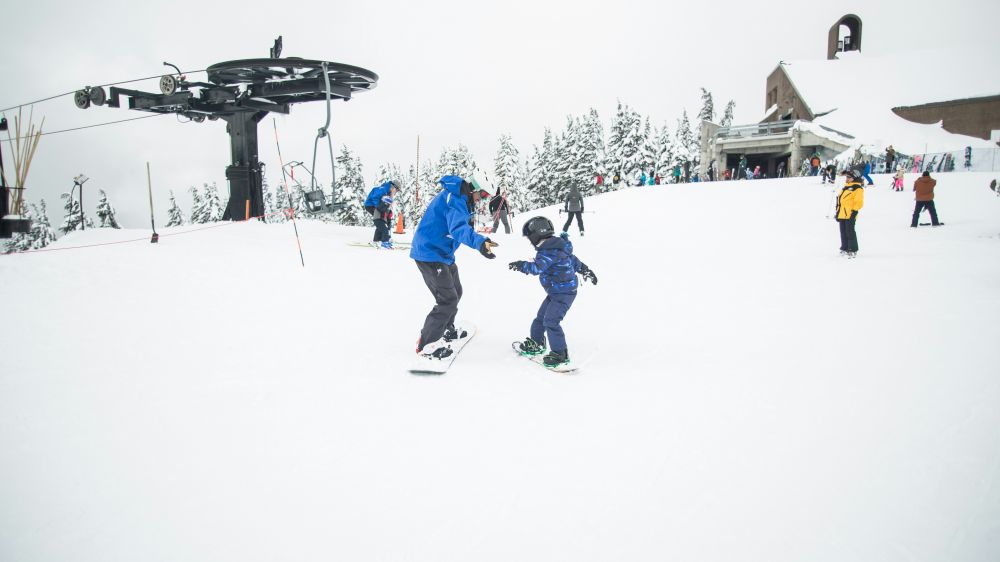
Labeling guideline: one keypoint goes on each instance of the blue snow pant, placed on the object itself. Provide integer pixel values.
(550, 314)
(867, 177)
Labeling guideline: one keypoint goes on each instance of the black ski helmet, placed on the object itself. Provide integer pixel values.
(394, 184)
(537, 229)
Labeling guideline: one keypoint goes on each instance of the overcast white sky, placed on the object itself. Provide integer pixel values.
(451, 71)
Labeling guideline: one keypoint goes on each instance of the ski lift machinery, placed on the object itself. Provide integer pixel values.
(242, 93)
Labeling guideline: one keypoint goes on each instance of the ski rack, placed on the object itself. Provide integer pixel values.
(241, 93)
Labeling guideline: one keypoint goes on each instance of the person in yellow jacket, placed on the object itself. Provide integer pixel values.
(851, 199)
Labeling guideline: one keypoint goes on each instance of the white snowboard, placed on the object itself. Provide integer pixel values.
(430, 366)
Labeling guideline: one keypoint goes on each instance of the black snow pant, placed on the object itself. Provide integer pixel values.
(381, 231)
(443, 282)
(848, 235)
(920, 206)
(569, 221)
(501, 216)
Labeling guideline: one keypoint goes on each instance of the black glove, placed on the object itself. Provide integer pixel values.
(588, 274)
(516, 266)
(487, 248)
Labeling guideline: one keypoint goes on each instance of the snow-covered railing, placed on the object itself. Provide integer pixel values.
(755, 130)
(968, 160)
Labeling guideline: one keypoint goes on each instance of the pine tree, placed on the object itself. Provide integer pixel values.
(174, 215)
(665, 153)
(509, 174)
(71, 220)
(20, 242)
(707, 112)
(456, 162)
(198, 215)
(616, 140)
(105, 211)
(685, 145)
(727, 116)
(213, 209)
(350, 190)
(42, 233)
(270, 214)
(630, 152)
(649, 148)
(590, 157)
(540, 173)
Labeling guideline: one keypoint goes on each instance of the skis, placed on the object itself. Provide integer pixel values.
(395, 245)
(432, 366)
(540, 358)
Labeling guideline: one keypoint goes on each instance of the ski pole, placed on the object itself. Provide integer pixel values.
(149, 181)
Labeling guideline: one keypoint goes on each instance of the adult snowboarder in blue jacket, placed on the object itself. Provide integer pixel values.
(556, 268)
(446, 224)
(379, 205)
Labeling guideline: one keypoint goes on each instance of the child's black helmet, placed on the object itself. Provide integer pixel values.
(537, 229)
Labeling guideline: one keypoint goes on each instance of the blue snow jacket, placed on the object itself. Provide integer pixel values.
(555, 265)
(445, 225)
(376, 194)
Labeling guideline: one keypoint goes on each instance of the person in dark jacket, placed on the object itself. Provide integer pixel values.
(890, 159)
(924, 188)
(556, 268)
(741, 169)
(574, 207)
(446, 224)
(379, 204)
(850, 202)
(500, 209)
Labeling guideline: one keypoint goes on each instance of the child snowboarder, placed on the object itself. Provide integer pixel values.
(556, 267)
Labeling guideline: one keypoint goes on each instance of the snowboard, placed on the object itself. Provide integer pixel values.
(425, 366)
(539, 360)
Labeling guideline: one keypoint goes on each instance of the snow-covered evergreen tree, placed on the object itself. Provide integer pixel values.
(727, 116)
(71, 220)
(270, 214)
(685, 143)
(20, 242)
(707, 112)
(42, 233)
(590, 155)
(105, 211)
(351, 190)
(629, 153)
(509, 174)
(665, 154)
(212, 204)
(540, 173)
(198, 215)
(649, 148)
(456, 162)
(174, 215)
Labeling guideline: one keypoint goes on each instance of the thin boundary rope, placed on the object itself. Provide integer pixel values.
(88, 126)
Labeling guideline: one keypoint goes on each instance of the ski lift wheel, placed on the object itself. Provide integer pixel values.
(82, 99)
(168, 85)
(98, 96)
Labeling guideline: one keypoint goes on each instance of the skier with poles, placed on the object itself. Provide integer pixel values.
(556, 268)
(378, 205)
(446, 224)
(500, 209)
(574, 207)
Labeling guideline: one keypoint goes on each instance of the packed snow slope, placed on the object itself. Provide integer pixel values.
(744, 392)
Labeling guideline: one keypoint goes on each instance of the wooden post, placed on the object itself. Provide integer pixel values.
(149, 181)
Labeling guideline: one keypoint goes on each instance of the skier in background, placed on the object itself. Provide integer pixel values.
(850, 202)
(897, 184)
(781, 169)
(890, 158)
(556, 267)
(378, 204)
(574, 207)
(446, 224)
(830, 173)
(499, 209)
(924, 188)
(742, 167)
(868, 170)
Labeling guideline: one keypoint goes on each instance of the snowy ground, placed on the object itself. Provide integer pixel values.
(745, 393)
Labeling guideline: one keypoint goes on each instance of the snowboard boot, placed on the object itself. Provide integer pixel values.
(556, 358)
(530, 347)
(453, 333)
(387, 245)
